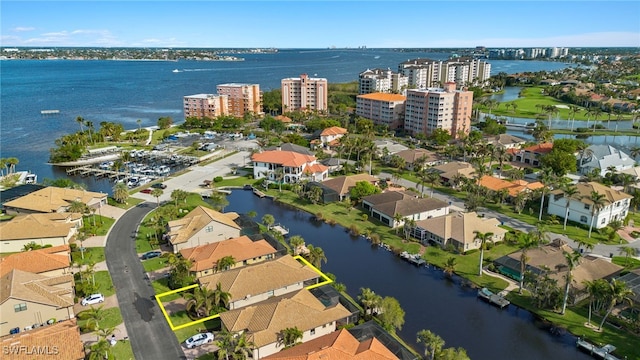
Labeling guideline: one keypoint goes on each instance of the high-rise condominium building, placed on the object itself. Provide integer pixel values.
(380, 80)
(243, 98)
(304, 93)
(382, 109)
(427, 73)
(438, 108)
(205, 105)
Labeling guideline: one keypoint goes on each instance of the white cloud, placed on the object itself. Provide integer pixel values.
(23, 29)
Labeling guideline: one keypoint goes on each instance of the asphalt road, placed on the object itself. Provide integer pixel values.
(150, 335)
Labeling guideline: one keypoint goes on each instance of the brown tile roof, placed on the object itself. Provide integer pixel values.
(383, 97)
(410, 206)
(283, 118)
(37, 261)
(284, 158)
(52, 199)
(543, 148)
(182, 230)
(334, 130)
(315, 169)
(339, 345)
(62, 340)
(52, 291)
(260, 278)
(386, 197)
(241, 248)
(35, 226)
(411, 155)
(460, 226)
(263, 321)
(342, 184)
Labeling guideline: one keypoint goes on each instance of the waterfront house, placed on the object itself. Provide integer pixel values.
(339, 344)
(458, 229)
(342, 185)
(258, 282)
(531, 155)
(604, 158)
(29, 299)
(414, 156)
(201, 226)
(616, 205)
(57, 341)
(53, 229)
(53, 199)
(287, 167)
(50, 261)
(385, 206)
(550, 260)
(264, 322)
(505, 141)
(204, 258)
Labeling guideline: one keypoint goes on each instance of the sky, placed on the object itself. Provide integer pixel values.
(319, 24)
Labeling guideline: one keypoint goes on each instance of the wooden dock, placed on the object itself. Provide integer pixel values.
(595, 351)
(258, 193)
(492, 298)
(280, 229)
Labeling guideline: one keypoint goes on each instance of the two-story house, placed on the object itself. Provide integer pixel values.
(531, 155)
(604, 158)
(201, 226)
(287, 167)
(329, 137)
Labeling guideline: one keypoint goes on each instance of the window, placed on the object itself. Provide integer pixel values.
(208, 229)
(586, 206)
(20, 307)
(583, 219)
(602, 222)
(313, 331)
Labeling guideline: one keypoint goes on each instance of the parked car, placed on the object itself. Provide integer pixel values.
(159, 186)
(92, 299)
(146, 191)
(198, 339)
(150, 255)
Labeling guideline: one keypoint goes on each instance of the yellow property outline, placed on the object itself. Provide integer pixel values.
(326, 281)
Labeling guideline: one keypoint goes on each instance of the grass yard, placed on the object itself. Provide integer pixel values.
(101, 227)
(112, 317)
(91, 255)
(629, 263)
(104, 283)
(154, 264)
(122, 349)
(161, 286)
(131, 202)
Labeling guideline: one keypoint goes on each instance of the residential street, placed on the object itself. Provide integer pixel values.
(150, 335)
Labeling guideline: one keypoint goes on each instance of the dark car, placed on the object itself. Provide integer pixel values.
(146, 191)
(150, 255)
(159, 186)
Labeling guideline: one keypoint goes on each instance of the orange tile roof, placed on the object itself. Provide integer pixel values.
(37, 261)
(334, 130)
(540, 148)
(338, 345)
(383, 97)
(495, 184)
(315, 169)
(283, 118)
(61, 341)
(284, 158)
(241, 248)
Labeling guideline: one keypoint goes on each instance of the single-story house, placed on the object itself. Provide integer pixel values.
(258, 282)
(263, 322)
(201, 226)
(513, 187)
(343, 184)
(458, 229)
(632, 279)
(53, 199)
(204, 258)
(51, 261)
(451, 170)
(57, 341)
(386, 205)
(53, 229)
(505, 141)
(412, 156)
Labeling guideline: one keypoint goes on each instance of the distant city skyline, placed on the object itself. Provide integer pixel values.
(320, 24)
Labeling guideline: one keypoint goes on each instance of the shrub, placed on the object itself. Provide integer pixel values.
(353, 230)
(217, 179)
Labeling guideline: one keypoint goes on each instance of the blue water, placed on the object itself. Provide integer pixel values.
(125, 91)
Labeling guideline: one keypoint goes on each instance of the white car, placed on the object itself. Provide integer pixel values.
(92, 299)
(198, 339)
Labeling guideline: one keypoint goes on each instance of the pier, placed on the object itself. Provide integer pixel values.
(492, 298)
(258, 193)
(597, 352)
(280, 229)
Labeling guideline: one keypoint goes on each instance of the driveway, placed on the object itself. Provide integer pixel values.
(149, 333)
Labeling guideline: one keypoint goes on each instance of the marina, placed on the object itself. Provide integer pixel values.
(492, 298)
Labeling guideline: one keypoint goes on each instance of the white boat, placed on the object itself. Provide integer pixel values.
(176, 70)
(31, 179)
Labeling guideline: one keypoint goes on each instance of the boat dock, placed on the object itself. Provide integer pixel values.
(492, 298)
(258, 193)
(88, 170)
(414, 259)
(598, 352)
(49, 112)
(280, 229)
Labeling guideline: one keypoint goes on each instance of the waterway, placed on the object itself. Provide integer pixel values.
(430, 301)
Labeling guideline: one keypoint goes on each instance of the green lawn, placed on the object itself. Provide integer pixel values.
(122, 350)
(104, 284)
(97, 225)
(629, 263)
(154, 264)
(112, 317)
(91, 255)
(161, 286)
(180, 318)
(131, 202)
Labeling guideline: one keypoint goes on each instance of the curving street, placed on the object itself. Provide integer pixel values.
(148, 331)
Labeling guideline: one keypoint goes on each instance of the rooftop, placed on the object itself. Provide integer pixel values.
(52, 199)
(62, 338)
(37, 261)
(241, 248)
(283, 158)
(383, 97)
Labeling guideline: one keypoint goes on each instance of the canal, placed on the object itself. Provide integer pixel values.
(429, 300)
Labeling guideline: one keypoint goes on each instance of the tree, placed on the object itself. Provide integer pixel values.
(156, 193)
(290, 337)
(94, 316)
(80, 122)
(12, 161)
(450, 266)
(569, 192)
(296, 242)
(77, 207)
(615, 226)
(225, 263)
(200, 302)
(100, 350)
(120, 193)
(165, 122)
(598, 202)
(433, 343)
(573, 259)
(483, 238)
(628, 252)
(220, 297)
(234, 346)
(617, 292)
(453, 354)
(433, 179)
(316, 256)
(547, 179)
(362, 189)
(528, 243)
(597, 290)
(139, 122)
(397, 218)
(268, 220)
(370, 301)
(391, 314)
(179, 195)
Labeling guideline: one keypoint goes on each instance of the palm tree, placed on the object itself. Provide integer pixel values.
(80, 122)
(569, 192)
(528, 243)
(433, 343)
(12, 161)
(268, 220)
(296, 242)
(316, 256)
(200, 301)
(573, 259)
(617, 292)
(547, 179)
(120, 192)
(483, 238)
(433, 179)
(77, 207)
(179, 195)
(93, 316)
(598, 201)
(397, 217)
(369, 300)
(225, 263)
(628, 252)
(243, 347)
(139, 126)
(615, 226)
(450, 266)
(156, 193)
(290, 337)
(220, 297)
(100, 350)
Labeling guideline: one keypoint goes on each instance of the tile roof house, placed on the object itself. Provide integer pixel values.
(411, 156)
(57, 341)
(330, 135)
(604, 157)
(531, 155)
(343, 184)
(616, 205)
(204, 258)
(385, 206)
(51, 261)
(258, 282)
(294, 166)
(505, 141)
(53, 229)
(549, 259)
(291, 147)
(513, 187)
(201, 226)
(27, 299)
(263, 322)
(458, 229)
(450, 170)
(338, 345)
(53, 199)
